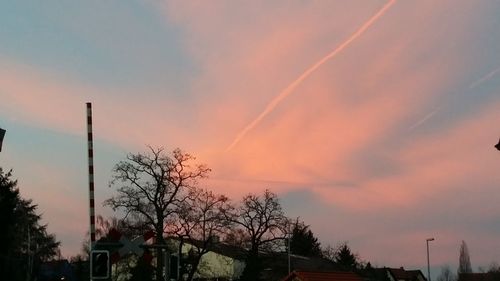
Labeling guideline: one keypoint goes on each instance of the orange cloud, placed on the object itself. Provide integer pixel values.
(344, 134)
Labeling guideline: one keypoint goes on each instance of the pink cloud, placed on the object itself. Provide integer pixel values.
(343, 134)
(327, 113)
(363, 102)
(36, 97)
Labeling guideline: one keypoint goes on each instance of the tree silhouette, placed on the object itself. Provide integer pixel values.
(303, 242)
(200, 220)
(446, 274)
(27, 241)
(150, 187)
(345, 258)
(262, 220)
(464, 265)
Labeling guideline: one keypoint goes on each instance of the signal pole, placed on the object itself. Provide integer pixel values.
(90, 146)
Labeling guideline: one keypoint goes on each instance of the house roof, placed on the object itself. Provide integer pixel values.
(402, 274)
(299, 263)
(374, 274)
(276, 265)
(229, 251)
(219, 248)
(322, 276)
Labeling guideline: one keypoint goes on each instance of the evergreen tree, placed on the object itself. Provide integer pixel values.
(303, 242)
(9, 196)
(28, 244)
(464, 265)
(345, 258)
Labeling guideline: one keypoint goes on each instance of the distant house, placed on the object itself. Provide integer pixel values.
(391, 274)
(276, 265)
(222, 262)
(227, 262)
(322, 276)
(400, 274)
(374, 274)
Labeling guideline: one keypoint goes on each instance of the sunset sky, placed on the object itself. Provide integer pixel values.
(374, 121)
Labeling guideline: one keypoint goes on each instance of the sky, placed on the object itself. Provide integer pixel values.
(374, 121)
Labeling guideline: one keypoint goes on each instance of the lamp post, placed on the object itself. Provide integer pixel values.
(289, 251)
(428, 263)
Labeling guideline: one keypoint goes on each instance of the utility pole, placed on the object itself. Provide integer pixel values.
(289, 251)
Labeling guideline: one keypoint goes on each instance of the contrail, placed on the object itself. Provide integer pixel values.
(427, 117)
(471, 86)
(484, 78)
(270, 107)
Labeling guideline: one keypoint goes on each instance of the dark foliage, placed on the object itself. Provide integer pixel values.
(143, 271)
(29, 244)
(345, 258)
(303, 241)
(253, 268)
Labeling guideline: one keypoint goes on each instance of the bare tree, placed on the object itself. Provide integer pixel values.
(263, 221)
(494, 271)
(464, 265)
(446, 274)
(150, 187)
(237, 237)
(329, 252)
(200, 220)
(103, 227)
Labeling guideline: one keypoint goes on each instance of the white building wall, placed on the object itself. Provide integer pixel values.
(214, 265)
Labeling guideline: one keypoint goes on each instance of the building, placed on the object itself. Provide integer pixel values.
(401, 274)
(275, 265)
(322, 276)
(391, 274)
(227, 262)
(221, 262)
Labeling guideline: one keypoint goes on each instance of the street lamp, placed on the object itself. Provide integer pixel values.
(428, 263)
(289, 238)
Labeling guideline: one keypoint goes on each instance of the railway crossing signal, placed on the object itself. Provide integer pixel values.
(99, 264)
